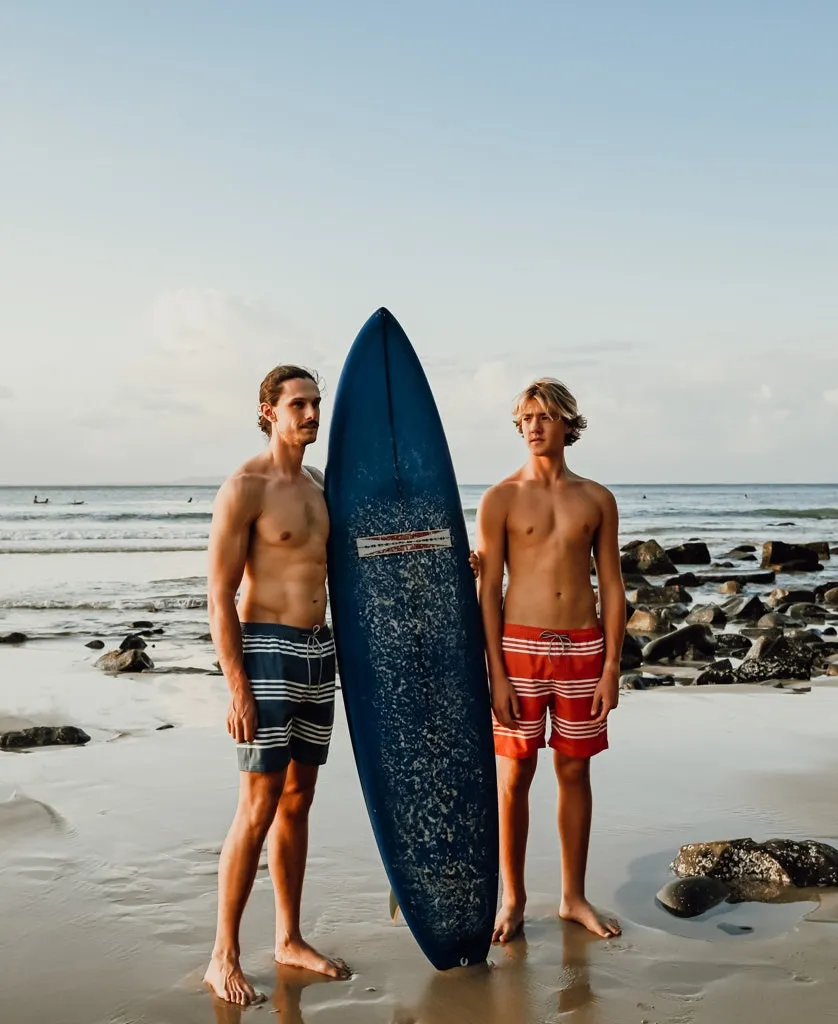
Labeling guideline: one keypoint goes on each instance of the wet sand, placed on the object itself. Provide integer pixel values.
(109, 856)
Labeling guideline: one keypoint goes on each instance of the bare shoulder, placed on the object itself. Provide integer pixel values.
(499, 496)
(242, 493)
(598, 493)
(316, 475)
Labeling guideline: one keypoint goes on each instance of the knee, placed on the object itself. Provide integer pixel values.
(573, 771)
(517, 779)
(296, 801)
(257, 809)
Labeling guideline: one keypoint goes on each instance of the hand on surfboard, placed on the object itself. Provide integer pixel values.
(474, 563)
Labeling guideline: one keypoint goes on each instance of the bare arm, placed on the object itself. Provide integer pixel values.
(491, 552)
(612, 600)
(236, 507)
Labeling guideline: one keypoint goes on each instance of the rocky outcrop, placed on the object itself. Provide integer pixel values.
(125, 661)
(659, 597)
(732, 645)
(693, 642)
(782, 557)
(648, 621)
(720, 673)
(804, 864)
(646, 557)
(743, 609)
(132, 642)
(694, 552)
(776, 657)
(708, 615)
(43, 736)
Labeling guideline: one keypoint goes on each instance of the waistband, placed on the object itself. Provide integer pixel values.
(277, 629)
(538, 633)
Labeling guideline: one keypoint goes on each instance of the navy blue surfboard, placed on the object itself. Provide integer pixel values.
(410, 647)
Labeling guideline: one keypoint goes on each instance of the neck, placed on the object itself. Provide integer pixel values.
(548, 468)
(287, 458)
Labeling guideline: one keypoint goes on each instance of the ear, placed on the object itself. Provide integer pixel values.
(268, 412)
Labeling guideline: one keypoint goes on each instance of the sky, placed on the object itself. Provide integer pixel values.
(639, 199)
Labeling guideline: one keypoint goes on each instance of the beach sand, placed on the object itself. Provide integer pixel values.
(109, 856)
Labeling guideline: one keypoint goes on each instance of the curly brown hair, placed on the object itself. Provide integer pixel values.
(271, 388)
(557, 401)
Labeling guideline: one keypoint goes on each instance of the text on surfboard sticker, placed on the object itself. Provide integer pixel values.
(398, 543)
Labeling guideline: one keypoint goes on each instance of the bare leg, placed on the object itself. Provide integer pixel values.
(259, 795)
(515, 776)
(575, 805)
(287, 850)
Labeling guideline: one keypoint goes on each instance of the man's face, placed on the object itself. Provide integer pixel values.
(296, 415)
(543, 434)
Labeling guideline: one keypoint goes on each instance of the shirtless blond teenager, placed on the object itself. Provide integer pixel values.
(268, 536)
(546, 648)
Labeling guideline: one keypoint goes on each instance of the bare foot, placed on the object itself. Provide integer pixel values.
(297, 953)
(583, 913)
(226, 980)
(508, 924)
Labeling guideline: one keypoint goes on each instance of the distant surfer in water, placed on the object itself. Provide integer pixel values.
(546, 648)
(269, 531)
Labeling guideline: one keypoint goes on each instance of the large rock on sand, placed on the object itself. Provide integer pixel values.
(125, 661)
(780, 861)
(708, 615)
(776, 657)
(744, 609)
(694, 642)
(689, 897)
(44, 736)
(14, 638)
(646, 557)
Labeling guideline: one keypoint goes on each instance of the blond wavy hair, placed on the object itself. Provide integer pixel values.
(557, 401)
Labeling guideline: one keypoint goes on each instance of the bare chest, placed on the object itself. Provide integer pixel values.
(294, 519)
(549, 522)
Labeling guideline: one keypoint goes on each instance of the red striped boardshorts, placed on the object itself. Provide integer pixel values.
(555, 671)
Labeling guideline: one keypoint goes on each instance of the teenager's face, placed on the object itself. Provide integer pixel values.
(542, 434)
(296, 415)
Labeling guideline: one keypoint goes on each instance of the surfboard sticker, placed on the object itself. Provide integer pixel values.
(399, 543)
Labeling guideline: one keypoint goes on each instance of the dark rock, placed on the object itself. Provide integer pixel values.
(95, 645)
(802, 610)
(646, 620)
(781, 596)
(755, 632)
(14, 638)
(689, 897)
(125, 661)
(694, 642)
(743, 609)
(683, 579)
(779, 861)
(782, 557)
(142, 624)
(657, 597)
(132, 642)
(779, 555)
(720, 673)
(741, 552)
(44, 736)
(733, 645)
(647, 557)
(827, 592)
(830, 631)
(820, 547)
(742, 578)
(631, 655)
(708, 615)
(691, 553)
(776, 657)
(730, 587)
(775, 620)
(631, 681)
(162, 728)
(206, 637)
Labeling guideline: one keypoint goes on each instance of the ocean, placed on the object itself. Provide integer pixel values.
(93, 559)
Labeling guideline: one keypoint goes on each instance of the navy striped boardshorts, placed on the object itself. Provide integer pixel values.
(292, 677)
